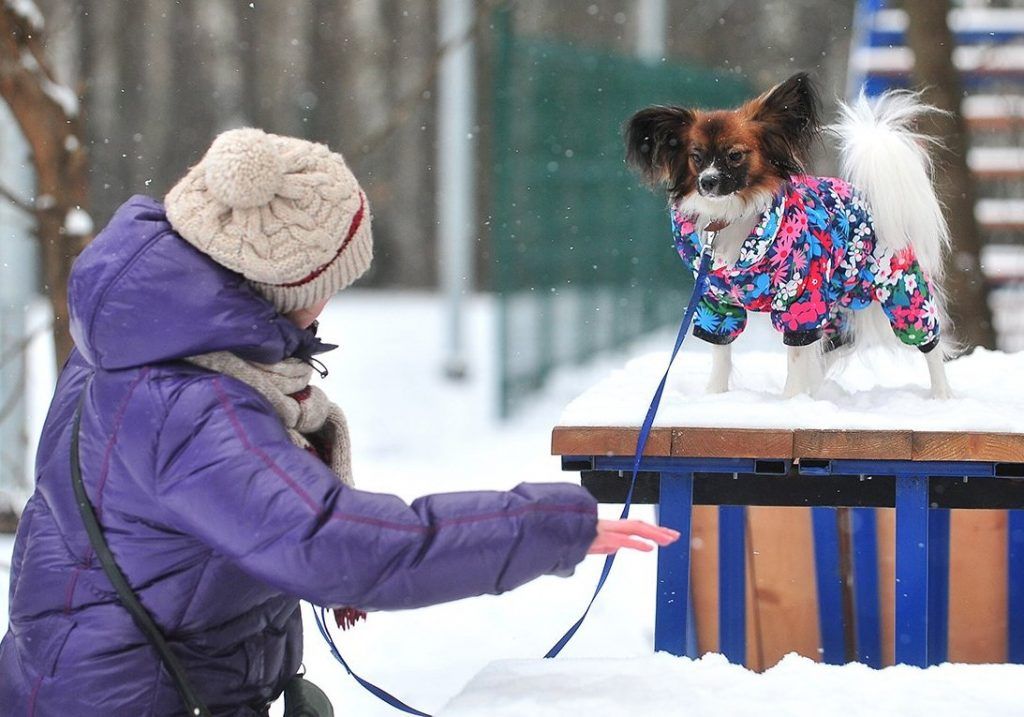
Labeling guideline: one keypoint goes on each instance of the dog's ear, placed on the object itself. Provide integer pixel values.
(789, 115)
(656, 142)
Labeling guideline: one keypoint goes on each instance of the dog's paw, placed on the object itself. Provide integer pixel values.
(717, 387)
(942, 393)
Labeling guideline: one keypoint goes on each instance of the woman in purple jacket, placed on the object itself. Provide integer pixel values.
(219, 476)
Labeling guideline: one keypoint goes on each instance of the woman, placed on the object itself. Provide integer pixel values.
(219, 477)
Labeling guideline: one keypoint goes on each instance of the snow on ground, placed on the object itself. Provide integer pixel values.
(711, 687)
(414, 432)
(881, 390)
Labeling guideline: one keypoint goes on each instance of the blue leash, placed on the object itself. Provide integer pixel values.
(645, 430)
(320, 614)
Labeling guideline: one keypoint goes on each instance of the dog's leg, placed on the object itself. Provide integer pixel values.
(937, 372)
(721, 368)
(805, 371)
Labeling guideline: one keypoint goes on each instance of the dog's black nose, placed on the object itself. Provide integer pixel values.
(708, 183)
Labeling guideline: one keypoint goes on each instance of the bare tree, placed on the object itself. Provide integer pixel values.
(929, 36)
(47, 114)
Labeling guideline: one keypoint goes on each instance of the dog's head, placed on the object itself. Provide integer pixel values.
(723, 162)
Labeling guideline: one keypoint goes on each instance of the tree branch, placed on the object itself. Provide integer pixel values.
(21, 204)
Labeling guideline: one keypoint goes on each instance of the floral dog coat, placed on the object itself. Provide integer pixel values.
(811, 260)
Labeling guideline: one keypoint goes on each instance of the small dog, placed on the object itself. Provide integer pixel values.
(821, 254)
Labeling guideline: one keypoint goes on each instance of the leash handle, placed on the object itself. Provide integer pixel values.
(645, 429)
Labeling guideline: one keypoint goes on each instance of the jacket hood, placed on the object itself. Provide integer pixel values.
(140, 294)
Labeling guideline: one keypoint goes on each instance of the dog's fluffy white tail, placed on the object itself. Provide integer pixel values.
(889, 162)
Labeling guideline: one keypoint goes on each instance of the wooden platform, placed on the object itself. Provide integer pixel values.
(781, 601)
(791, 444)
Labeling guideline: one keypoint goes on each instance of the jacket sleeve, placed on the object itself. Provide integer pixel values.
(229, 475)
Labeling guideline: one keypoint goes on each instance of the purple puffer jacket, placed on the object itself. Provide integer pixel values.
(218, 521)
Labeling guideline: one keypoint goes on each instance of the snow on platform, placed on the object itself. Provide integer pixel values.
(711, 687)
(881, 391)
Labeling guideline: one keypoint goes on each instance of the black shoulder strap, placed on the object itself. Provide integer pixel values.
(139, 614)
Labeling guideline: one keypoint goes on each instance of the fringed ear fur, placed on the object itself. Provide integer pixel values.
(789, 115)
(656, 142)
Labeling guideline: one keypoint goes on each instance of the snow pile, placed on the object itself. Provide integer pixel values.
(711, 687)
(881, 391)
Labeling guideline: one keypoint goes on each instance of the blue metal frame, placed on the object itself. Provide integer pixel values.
(1015, 586)
(922, 559)
(866, 35)
(938, 586)
(867, 608)
(732, 583)
(673, 596)
(829, 582)
(912, 565)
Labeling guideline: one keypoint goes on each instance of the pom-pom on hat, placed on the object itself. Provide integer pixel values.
(286, 214)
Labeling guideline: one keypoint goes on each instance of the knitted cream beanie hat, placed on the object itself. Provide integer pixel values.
(286, 214)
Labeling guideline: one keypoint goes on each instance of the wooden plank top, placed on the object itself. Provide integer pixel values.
(709, 442)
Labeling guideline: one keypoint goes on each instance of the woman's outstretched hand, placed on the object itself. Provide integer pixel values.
(615, 534)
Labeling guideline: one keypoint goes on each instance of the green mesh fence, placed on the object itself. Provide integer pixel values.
(582, 254)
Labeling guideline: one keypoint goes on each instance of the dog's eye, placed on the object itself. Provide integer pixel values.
(736, 156)
(696, 159)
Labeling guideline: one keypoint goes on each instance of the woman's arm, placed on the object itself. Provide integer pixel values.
(228, 475)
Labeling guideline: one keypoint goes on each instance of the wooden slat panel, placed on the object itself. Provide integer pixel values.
(942, 446)
(977, 588)
(783, 568)
(732, 443)
(607, 441)
(704, 576)
(886, 527)
(885, 445)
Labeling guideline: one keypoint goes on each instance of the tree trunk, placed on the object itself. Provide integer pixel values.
(930, 38)
(48, 116)
(327, 53)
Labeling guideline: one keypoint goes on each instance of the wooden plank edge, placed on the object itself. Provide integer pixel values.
(607, 441)
(853, 444)
(704, 442)
(964, 446)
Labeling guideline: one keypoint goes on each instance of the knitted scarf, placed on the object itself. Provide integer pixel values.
(313, 422)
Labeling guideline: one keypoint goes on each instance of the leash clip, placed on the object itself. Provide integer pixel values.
(709, 240)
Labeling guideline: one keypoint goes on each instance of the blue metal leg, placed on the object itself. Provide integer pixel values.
(912, 570)
(1015, 587)
(938, 586)
(732, 584)
(867, 607)
(829, 583)
(675, 510)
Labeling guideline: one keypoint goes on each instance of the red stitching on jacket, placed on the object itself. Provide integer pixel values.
(366, 520)
(244, 438)
(118, 418)
(32, 697)
(69, 593)
(105, 471)
(464, 520)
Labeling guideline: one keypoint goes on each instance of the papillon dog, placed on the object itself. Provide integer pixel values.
(828, 258)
